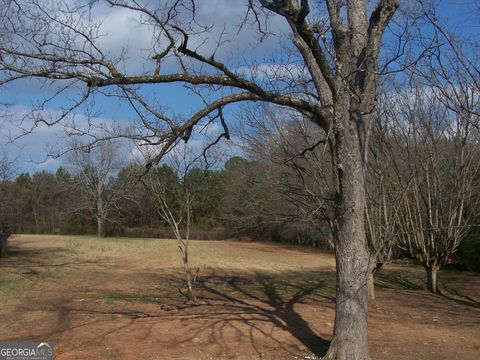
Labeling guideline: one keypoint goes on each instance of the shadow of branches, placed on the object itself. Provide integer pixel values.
(259, 301)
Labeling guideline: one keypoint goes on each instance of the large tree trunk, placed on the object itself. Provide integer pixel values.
(432, 271)
(350, 337)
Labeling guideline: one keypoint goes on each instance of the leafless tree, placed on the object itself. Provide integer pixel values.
(7, 167)
(336, 46)
(94, 169)
(296, 168)
(6, 171)
(174, 204)
(452, 67)
(435, 154)
(383, 193)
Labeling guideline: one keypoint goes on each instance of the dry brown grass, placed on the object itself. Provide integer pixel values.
(163, 253)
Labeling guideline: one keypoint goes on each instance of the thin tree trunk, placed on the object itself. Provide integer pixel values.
(35, 217)
(432, 271)
(99, 226)
(371, 281)
(188, 274)
(350, 336)
(371, 286)
(99, 205)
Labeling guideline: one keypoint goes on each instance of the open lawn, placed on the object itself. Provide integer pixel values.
(122, 299)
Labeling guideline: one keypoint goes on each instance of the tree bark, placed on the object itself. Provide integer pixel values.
(350, 336)
(99, 226)
(432, 271)
(37, 224)
(371, 286)
(188, 274)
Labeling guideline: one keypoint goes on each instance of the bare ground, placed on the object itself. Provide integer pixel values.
(122, 299)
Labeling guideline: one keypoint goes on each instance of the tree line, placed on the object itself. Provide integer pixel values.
(94, 193)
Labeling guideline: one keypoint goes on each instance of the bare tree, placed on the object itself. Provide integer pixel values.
(6, 171)
(436, 159)
(383, 193)
(452, 67)
(295, 170)
(173, 198)
(94, 169)
(336, 90)
(7, 167)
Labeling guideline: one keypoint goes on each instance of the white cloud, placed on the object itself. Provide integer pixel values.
(37, 145)
(126, 30)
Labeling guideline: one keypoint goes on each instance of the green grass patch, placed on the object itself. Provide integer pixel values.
(11, 286)
(112, 298)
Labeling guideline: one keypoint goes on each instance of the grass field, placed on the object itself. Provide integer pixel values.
(123, 299)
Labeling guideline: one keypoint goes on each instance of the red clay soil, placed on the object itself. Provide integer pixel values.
(105, 310)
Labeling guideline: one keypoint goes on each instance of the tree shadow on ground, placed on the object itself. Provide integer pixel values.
(266, 299)
(28, 258)
(400, 280)
(456, 296)
(16, 253)
(397, 280)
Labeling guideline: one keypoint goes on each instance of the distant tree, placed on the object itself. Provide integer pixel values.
(249, 204)
(42, 191)
(436, 158)
(7, 167)
(20, 200)
(94, 170)
(67, 197)
(63, 175)
(302, 172)
(137, 210)
(207, 191)
(384, 193)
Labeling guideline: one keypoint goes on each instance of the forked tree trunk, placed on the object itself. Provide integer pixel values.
(188, 274)
(432, 272)
(350, 336)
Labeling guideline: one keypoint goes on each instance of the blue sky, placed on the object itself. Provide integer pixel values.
(121, 30)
